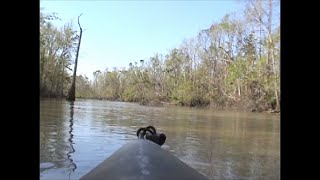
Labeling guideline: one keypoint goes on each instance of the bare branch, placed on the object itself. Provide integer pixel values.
(79, 21)
(69, 68)
(230, 58)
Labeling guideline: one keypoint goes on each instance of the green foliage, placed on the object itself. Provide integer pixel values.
(183, 94)
(57, 46)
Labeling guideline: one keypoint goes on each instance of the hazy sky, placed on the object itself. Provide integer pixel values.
(120, 32)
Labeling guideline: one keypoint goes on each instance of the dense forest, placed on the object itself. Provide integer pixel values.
(234, 63)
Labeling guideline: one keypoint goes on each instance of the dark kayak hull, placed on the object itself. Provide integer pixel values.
(142, 159)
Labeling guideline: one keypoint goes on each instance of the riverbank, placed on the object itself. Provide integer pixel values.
(234, 107)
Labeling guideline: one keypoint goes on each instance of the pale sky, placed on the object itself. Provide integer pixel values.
(120, 32)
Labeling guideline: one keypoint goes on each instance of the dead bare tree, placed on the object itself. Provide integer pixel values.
(72, 92)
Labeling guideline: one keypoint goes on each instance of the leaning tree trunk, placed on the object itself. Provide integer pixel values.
(72, 92)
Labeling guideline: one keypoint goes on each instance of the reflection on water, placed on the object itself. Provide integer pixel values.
(70, 139)
(74, 138)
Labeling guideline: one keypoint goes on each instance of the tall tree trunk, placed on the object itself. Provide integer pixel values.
(72, 92)
(62, 79)
(239, 90)
(194, 72)
(271, 53)
(260, 28)
(275, 74)
(269, 28)
(57, 78)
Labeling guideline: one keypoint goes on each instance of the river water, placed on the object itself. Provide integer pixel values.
(76, 137)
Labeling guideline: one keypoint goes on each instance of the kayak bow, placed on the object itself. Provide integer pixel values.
(142, 159)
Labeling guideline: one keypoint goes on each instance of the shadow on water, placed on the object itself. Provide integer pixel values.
(71, 139)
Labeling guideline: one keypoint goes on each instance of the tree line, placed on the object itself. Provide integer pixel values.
(233, 63)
